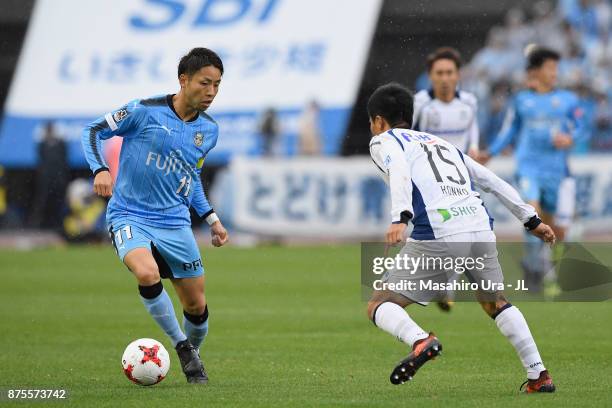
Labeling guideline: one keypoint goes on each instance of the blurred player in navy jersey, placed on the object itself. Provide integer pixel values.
(447, 112)
(543, 123)
(165, 141)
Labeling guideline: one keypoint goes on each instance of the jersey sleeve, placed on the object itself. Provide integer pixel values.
(199, 202)
(507, 195)
(510, 128)
(388, 154)
(121, 122)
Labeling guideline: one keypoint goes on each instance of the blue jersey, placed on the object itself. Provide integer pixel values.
(160, 162)
(532, 121)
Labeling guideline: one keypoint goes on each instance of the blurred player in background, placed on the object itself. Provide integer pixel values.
(425, 174)
(444, 110)
(165, 141)
(543, 123)
(447, 112)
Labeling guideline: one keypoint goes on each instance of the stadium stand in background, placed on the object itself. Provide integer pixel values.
(491, 36)
(581, 31)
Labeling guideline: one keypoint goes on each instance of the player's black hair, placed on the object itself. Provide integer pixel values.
(394, 103)
(539, 56)
(197, 59)
(444, 53)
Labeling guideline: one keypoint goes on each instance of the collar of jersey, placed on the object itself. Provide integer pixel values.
(171, 106)
(430, 91)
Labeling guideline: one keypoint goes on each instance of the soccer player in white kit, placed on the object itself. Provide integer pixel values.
(444, 110)
(426, 174)
(447, 112)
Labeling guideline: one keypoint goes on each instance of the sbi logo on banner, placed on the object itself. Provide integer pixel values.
(162, 14)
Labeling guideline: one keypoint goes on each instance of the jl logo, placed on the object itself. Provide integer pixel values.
(198, 139)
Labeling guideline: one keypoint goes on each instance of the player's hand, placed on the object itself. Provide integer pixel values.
(483, 157)
(562, 141)
(474, 153)
(103, 184)
(545, 233)
(395, 233)
(219, 234)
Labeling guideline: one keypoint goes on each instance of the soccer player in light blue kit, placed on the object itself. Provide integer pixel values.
(165, 141)
(543, 123)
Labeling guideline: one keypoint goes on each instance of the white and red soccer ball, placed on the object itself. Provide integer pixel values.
(145, 361)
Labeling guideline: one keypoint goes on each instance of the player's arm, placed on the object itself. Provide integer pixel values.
(389, 156)
(202, 207)
(122, 121)
(577, 119)
(200, 203)
(510, 198)
(510, 128)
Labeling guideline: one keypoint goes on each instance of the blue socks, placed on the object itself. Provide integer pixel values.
(196, 327)
(158, 304)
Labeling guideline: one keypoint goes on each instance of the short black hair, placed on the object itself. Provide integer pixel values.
(197, 59)
(444, 53)
(539, 56)
(394, 103)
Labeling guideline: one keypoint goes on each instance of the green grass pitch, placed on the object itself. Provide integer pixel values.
(287, 328)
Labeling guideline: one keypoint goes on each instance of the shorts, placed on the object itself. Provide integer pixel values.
(556, 196)
(443, 261)
(175, 249)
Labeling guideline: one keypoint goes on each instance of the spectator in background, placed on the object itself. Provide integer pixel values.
(572, 68)
(498, 104)
(547, 26)
(599, 57)
(309, 131)
(52, 175)
(579, 30)
(603, 123)
(269, 129)
(583, 17)
(85, 220)
(495, 59)
(518, 34)
(603, 14)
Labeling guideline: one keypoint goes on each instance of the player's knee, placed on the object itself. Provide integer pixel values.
(371, 309)
(151, 291)
(147, 274)
(492, 307)
(488, 307)
(195, 306)
(197, 318)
